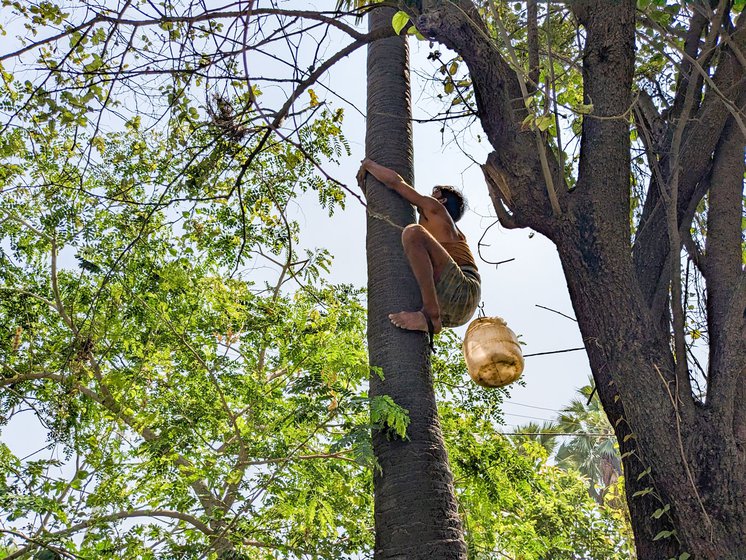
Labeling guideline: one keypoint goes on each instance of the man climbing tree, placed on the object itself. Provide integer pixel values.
(416, 514)
(438, 254)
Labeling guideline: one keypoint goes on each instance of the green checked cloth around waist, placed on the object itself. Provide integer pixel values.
(459, 291)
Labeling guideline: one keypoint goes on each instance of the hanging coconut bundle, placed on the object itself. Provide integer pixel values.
(492, 352)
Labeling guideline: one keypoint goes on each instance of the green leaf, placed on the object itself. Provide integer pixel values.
(664, 535)
(660, 511)
(544, 122)
(399, 21)
(388, 416)
(413, 31)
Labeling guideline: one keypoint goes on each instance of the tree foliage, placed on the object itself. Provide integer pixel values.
(222, 406)
(515, 502)
(196, 412)
(201, 382)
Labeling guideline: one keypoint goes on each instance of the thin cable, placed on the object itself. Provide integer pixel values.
(532, 406)
(564, 434)
(529, 417)
(554, 352)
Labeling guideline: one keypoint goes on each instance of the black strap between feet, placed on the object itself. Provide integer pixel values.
(430, 331)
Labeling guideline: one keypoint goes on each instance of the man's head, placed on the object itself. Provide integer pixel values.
(452, 199)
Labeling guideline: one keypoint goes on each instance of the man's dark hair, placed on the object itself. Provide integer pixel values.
(455, 202)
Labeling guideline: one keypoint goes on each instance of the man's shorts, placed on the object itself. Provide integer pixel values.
(459, 290)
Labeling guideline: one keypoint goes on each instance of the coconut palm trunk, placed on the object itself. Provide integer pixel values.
(416, 514)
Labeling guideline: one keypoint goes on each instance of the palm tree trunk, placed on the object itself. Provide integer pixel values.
(416, 514)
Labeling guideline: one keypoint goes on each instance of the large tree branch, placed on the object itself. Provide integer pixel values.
(697, 23)
(604, 166)
(725, 97)
(670, 197)
(516, 177)
(724, 272)
(329, 18)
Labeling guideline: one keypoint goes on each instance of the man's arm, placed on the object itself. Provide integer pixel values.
(396, 183)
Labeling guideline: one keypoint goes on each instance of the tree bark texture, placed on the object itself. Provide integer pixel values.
(416, 514)
(684, 460)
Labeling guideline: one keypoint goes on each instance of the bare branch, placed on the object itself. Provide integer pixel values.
(94, 521)
(533, 41)
(540, 142)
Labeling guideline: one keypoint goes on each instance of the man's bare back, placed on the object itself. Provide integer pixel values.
(425, 245)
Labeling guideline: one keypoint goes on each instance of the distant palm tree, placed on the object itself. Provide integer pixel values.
(593, 450)
(582, 439)
(591, 447)
(544, 434)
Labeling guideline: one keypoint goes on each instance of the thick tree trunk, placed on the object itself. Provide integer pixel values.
(416, 514)
(673, 465)
(684, 462)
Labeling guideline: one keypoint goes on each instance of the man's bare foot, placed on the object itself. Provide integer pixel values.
(414, 321)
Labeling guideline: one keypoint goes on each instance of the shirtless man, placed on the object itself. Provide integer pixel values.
(438, 254)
